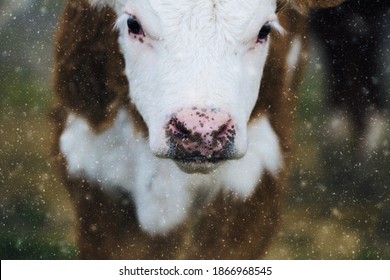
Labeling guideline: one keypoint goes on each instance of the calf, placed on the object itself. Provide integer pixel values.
(167, 146)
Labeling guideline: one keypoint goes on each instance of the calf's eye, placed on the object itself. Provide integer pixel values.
(134, 26)
(264, 32)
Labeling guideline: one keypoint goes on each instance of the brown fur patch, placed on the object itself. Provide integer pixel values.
(229, 228)
(279, 86)
(89, 70)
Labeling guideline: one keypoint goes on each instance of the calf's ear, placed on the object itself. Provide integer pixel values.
(305, 6)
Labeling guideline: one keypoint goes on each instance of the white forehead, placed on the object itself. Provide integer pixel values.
(239, 6)
(237, 17)
(214, 8)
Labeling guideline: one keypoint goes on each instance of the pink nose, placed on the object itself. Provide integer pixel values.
(201, 135)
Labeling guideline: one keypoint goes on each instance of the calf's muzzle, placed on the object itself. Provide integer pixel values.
(197, 136)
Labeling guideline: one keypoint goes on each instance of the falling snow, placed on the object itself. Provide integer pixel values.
(338, 204)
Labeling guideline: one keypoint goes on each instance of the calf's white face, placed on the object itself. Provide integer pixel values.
(194, 69)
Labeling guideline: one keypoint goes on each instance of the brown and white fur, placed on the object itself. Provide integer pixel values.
(167, 145)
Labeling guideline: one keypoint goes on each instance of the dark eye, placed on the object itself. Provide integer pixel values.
(264, 32)
(134, 26)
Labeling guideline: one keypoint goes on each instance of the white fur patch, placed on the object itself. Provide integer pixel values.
(241, 176)
(164, 195)
(294, 54)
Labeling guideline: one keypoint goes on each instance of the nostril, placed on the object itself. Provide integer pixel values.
(179, 128)
(222, 131)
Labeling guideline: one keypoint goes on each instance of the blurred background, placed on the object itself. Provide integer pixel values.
(36, 217)
(338, 206)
